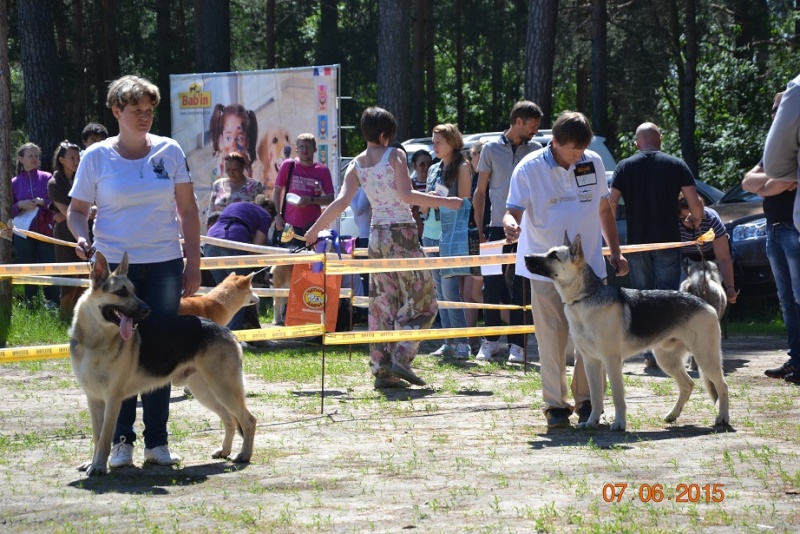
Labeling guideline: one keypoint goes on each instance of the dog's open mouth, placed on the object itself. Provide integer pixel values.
(127, 324)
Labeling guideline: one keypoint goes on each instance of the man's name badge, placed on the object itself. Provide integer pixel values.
(584, 174)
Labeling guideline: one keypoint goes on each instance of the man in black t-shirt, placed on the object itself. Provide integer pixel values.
(649, 182)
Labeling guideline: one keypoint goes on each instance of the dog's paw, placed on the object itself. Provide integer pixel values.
(722, 421)
(586, 425)
(617, 426)
(671, 417)
(220, 453)
(85, 466)
(241, 459)
(96, 470)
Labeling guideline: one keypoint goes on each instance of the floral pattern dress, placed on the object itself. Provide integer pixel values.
(404, 300)
(222, 194)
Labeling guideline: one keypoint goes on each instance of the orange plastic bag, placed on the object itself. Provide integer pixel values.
(307, 297)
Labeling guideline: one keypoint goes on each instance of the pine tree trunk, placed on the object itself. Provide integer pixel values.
(79, 103)
(270, 34)
(393, 77)
(213, 42)
(540, 55)
(418, 69)
(43, 102)
(688, 86)
(430, 70)
(164, 44)
(599, 62)
(110, 59)
(6, 157)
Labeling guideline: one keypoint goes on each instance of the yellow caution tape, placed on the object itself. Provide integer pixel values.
(393, 336)
(261, 249)
(261, 260)
(284, 332)
(44, 352)
(51, 281)
(407, 264)
(44, 238)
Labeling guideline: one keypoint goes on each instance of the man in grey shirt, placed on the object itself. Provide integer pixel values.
(498, 159)
(781, 155)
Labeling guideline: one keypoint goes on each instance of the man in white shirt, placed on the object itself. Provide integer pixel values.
(561, 188)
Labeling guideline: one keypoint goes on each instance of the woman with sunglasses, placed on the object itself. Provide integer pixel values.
(65, 163)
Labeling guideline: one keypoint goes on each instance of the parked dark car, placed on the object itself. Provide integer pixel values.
(743, 215)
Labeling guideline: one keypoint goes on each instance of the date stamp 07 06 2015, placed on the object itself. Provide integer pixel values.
(690, 493)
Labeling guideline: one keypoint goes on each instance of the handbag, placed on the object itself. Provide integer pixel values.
(309, 293)
(288, 233)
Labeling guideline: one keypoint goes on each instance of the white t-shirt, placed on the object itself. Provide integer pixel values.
(555, 200)
(135, 200)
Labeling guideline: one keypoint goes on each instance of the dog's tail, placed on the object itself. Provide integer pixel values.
(710, 387)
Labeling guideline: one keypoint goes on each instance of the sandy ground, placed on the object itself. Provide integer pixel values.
(470, 453)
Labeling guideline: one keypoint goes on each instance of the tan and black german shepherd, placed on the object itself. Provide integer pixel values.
(115, 355)
(609, 324)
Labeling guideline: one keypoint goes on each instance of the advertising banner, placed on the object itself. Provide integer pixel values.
(257, 113)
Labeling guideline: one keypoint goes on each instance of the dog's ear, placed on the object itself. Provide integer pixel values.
(122, 268)
(567, 242)
(575, 249)
(99, 270)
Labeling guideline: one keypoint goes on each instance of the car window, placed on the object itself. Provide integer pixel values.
(737, 194)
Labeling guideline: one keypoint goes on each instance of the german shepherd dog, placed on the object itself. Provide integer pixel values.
(705, 281)
(609, 324)
(115, 355)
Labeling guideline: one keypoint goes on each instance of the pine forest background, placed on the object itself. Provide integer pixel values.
(705, 71)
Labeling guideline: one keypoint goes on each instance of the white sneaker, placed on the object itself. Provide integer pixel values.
(444, 351)
(161, 455)
(516, 354)
(121, 454)
(463, 351)
(488, 349)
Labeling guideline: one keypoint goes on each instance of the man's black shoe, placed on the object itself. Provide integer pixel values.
(782, 371)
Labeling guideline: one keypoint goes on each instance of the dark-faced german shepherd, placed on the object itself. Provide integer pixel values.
(609, 324)
(113, 360)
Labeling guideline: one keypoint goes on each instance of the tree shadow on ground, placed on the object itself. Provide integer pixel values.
(150, 479)
(603, 438)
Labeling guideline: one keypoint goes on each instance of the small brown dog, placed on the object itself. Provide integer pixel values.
(221, 303)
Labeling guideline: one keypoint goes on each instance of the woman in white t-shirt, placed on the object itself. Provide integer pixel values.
(145, 202)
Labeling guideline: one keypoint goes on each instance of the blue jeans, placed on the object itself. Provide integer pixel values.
(34, 251)
(213, 251)
(447, 289)
(160, 286)
(657, 269)
(783, 251)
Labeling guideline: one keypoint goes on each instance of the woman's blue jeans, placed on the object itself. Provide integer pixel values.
(160, 286)
(447, 289)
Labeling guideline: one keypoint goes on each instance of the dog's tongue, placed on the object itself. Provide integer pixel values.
(125, 326)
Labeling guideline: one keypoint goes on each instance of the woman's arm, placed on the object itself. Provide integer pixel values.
(189, 219)
(722, 252)
(78, 223)
(411, 196)
(464, 181)
(335, 208)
